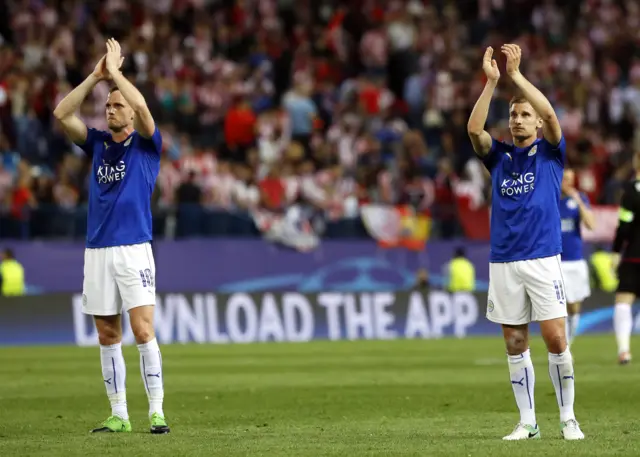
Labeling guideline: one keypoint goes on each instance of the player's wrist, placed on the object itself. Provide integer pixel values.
(515, 76)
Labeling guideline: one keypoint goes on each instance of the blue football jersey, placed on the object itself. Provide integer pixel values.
(525, 218)
(570, 224)
(122, 180)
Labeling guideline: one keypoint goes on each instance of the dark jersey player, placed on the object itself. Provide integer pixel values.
(626, 257)
(525, 277)
(119, 270)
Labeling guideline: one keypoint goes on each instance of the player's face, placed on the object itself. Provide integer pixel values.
(524, 122)
(568, 179)
(119, 113)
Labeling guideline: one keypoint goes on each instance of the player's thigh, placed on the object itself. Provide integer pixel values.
(545, 286)
(507, 300)
(135, 275)
(576, 280)
(99, 289)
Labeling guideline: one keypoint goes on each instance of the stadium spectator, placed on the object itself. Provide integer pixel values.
(249, 93)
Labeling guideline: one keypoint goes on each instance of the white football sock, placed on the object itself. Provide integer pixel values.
(523, 380)
(561, 373)
(114, 374)
(151, 370)
(573, 322)
(623, 324)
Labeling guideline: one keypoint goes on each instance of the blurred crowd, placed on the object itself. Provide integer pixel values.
(334, 103)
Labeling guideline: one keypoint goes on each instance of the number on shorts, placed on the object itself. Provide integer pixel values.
(146, 277)
(559, 290)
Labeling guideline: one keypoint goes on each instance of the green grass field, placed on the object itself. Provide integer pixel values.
(364, 398)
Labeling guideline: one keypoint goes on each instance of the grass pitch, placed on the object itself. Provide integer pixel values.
(363, 398)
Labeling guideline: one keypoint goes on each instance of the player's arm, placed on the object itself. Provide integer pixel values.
(550, 125)
(72, 125)
(143, 121)
(480, 138)
(586, 214)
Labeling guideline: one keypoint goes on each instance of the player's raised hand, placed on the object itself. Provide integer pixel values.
(490, 66)
(513, 54)
(100, 72)
(113, 59)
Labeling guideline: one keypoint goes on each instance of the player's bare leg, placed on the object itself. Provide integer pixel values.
(523, 380)
(113, 373)
(572, 321)
(141, 319)
(623, 325)
(561, 374)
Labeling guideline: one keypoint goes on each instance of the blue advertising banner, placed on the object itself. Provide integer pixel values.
(252, 265)
(289, 316)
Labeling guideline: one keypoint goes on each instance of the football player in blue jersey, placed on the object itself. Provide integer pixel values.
(525, 276)
(574, 211)
(119, 270)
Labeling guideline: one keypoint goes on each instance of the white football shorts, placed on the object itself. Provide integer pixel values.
(118, 278)
(526, 291)
(576, 280)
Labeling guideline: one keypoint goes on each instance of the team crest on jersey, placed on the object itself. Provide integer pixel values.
(108, 173)
(533, 151)
(571, 204)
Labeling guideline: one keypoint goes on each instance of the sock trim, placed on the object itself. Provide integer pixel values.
(144, 373)
(162, 376)
(111, 347)
(151, 344)
(560, 385)
(526, 376)
(115, 378)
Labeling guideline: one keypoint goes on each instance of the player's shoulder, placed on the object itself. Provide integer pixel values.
(151, 144)
(95, 139)
(156, 134)
(97, 134)
(501, 146)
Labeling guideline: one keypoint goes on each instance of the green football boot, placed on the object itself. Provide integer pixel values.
(113, 424)
(158, 424)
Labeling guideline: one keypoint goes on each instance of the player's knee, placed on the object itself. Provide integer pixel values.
(143, 332)
(556, 344)
(108, 336)
(516, 343)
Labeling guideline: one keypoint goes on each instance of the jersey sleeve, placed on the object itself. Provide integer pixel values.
(557, 151)
(93, 136)
(626, 216)
(491, 159)
(153, 145)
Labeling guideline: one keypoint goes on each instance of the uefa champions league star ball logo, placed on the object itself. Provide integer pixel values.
(490, 306)
(108, 173)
